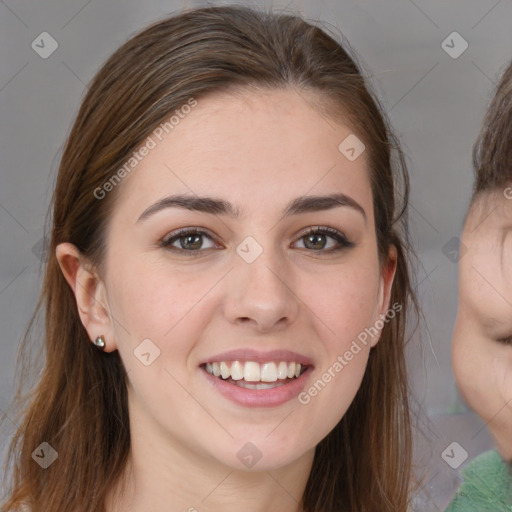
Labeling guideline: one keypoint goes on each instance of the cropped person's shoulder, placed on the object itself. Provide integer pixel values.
(487, 486)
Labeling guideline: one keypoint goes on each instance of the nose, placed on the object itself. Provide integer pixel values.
(261, 294)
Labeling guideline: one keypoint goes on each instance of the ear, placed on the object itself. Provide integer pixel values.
(384, 293)
(90, 294)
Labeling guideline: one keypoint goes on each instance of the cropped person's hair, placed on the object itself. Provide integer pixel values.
(79, 403)
(492, 152)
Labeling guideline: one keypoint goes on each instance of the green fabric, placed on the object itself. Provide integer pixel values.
(487, 486)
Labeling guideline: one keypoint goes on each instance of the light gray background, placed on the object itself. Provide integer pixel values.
(435, 104)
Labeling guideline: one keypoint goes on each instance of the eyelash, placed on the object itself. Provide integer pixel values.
(342, 240)
(505, 341)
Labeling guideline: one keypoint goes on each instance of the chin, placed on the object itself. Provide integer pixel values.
(258, 456)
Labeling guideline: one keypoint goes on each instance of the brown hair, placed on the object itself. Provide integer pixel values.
(79, 405)
(492, 152)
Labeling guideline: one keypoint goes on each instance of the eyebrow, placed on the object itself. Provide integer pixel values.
(216, 206)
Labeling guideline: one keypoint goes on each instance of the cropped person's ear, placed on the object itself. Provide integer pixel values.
(382, 312)
(90, 294)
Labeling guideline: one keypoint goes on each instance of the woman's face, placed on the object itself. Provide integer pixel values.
(245, 291)
(482, 341)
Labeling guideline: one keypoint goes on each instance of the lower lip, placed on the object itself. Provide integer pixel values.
(259, 397)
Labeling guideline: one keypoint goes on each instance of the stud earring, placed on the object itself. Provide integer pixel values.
(100, 342)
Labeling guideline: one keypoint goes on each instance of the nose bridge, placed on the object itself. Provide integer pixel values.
(261, 288)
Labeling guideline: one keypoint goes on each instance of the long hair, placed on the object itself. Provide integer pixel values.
(79, 402)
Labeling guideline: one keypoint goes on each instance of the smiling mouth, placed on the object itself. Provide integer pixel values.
(253, 375)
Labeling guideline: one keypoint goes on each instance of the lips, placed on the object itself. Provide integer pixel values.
(254, 378)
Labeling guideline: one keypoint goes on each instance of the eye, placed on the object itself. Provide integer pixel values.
(190, 240)
(316, 239)
(505, 341)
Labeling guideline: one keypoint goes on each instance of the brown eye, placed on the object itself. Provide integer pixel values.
(317, 240)
(191, 241)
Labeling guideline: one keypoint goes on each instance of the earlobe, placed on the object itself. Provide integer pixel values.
(90, 293)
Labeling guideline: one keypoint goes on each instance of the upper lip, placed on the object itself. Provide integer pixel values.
(259, 356)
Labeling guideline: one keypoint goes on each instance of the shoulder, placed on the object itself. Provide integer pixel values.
(487, 486)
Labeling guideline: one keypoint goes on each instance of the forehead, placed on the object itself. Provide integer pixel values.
(269, 145)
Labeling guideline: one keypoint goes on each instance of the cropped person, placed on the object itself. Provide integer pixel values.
(482, 340)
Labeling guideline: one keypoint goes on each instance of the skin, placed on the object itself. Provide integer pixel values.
(482, 341)
(258, 150)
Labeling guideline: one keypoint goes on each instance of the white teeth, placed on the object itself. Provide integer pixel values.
(237, 371)
(250, 371)
(224, 370)
(216, 369)
(269, 372)
(282, 370)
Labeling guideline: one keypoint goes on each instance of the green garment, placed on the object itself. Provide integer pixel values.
(487, 486)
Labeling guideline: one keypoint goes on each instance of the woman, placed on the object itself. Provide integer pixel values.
(482, 355)
(227, 284)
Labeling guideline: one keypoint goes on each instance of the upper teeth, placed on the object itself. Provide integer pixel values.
(254, 372)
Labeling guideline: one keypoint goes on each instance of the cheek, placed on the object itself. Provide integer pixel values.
(484, 377)
(501, 368)
(347, 323)
(484, 285)
(154, 303)
(346, 302)
(470, 360)
(467, 367)
(481, 365)
(461, 361)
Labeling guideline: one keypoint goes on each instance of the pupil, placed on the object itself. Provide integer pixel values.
(193, 239)
(315, 238)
